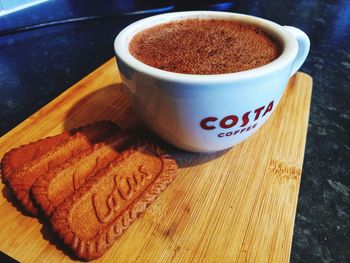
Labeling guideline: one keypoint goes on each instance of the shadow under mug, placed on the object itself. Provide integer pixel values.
(206, 113)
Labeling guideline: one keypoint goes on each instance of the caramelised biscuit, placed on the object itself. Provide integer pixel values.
(90, 220)
(22, 166)
(16, 158)
(51, 189)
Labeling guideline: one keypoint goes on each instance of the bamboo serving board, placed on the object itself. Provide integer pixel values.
(237, 205)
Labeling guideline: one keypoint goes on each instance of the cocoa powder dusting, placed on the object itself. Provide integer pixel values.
(198, 46)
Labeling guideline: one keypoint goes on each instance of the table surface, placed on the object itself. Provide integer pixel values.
(37, 65)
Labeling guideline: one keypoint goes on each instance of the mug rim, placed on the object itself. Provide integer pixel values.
(289, 46)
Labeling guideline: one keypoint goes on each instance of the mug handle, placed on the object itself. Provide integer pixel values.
(303, 49)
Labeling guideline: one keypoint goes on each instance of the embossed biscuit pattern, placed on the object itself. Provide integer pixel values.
(51, 189)
(42, 161)
(109, 208)
(17, 158)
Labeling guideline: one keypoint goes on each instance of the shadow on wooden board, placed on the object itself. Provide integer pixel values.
(111, 103)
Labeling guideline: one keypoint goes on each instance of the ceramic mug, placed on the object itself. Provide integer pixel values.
(205, 113)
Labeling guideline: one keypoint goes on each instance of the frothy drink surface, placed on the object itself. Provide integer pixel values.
(199, 46)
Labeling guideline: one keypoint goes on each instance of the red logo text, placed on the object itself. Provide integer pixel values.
(234, 121)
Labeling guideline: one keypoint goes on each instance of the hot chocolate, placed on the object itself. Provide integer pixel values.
(199, 46)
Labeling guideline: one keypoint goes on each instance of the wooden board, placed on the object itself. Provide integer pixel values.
(234, 206)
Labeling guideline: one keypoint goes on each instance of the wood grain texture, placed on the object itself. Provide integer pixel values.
(233, 206)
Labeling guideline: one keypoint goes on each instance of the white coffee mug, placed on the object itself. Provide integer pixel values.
(205, 113)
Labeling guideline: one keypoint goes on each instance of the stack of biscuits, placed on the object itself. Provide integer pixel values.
(91, 182)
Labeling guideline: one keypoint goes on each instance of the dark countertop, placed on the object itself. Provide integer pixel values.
(37, 65)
